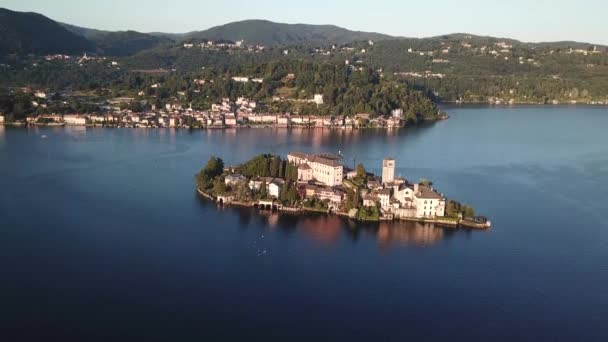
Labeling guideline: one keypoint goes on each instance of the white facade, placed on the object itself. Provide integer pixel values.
(240, 79)
(304, 173)
(74, 120)
(385, 198)
(388, 170)
(428, 203)
(1, 118)
(326, 168)
(274, 189)
(318, 99)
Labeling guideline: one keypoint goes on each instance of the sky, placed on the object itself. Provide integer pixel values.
(531, 20)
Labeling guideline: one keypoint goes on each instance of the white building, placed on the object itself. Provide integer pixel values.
(241, 79)
(1, 119)
(326, 168)
(428, 202)
(74, 120)
(304, 172)
(318, 99)
(274, 187)
(388, 170)
(384, 196)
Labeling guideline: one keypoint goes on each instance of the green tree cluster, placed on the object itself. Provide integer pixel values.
(213, 170)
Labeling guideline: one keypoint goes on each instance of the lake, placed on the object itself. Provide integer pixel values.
(102, 236)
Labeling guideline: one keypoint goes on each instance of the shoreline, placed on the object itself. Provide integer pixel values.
(451, 104)
(443, 222)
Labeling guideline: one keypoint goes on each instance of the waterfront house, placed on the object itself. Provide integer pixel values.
(283, 121)
(384, 196)
(230, 120)
(428, 202)
(74, 119)
(275, 186)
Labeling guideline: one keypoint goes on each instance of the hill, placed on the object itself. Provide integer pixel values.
(119, 43)
(270, 33)
(24, 32)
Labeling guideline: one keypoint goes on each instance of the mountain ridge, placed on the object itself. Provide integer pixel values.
(30, 32)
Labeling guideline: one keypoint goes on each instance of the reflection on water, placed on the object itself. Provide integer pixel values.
(323, 229)
(408, 233)
(328, 230)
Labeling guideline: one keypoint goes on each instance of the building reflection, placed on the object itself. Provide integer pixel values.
(408, 233)
(322, 229)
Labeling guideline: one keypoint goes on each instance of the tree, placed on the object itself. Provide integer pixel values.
(263, 190)
(292, 194)
(219, 186)
(361, 172)
(275, 163)
(468, 211)
(213, 169)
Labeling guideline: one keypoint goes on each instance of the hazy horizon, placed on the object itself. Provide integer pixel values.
(515, 20)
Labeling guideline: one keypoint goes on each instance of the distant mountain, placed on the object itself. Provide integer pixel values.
(88, 33)
(24, 32)
(270, 33)
(490, 40)
(119, 43)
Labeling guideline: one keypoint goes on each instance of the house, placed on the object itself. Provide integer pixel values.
(384, 196)
(428, 202)
(282, 121)
(397, 113)
(230, 120)
(369, 200)
(332, 195)
(1, 119)
(240, 79)
(318, 99)
(351, 174)
(275, 186)
(256, 183)
(73, 119)
(326, 168)
(310, 190)
(40, 94)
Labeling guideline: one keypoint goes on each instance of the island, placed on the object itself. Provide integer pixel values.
(304, 183)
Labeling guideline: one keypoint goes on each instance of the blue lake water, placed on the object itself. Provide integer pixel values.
(103, 237)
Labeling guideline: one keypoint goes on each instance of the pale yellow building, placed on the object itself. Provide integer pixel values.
(326, 168)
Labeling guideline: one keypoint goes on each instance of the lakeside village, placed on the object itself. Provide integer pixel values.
(321, 183)
(227, 114)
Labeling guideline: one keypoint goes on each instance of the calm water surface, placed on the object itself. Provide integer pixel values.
(103, 237)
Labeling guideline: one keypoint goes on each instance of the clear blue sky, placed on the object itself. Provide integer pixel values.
(533, 20)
